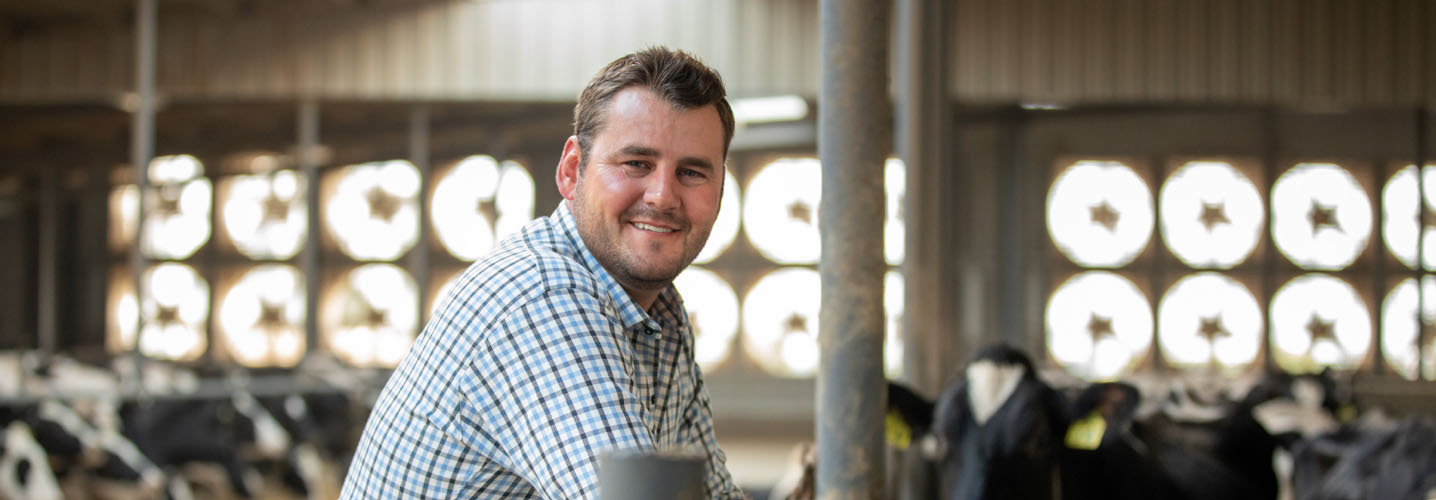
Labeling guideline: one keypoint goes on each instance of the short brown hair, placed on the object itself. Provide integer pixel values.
(677, 77)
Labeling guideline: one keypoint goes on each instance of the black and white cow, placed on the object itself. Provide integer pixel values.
(25, 472)
(996, 434)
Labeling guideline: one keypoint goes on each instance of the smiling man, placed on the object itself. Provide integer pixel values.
(569, 340)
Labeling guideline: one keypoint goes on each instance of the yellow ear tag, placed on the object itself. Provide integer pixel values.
(1086, 434)
(898, 433)
(1346, 413)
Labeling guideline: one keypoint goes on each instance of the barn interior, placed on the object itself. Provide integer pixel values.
(1206, 189)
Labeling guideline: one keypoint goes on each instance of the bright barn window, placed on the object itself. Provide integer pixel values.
(725, 229)
(1402, 213)
(1405, 339)
(177, 209)
(780, 322)
(780, 212)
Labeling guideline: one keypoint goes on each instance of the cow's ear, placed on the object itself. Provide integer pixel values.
(911, 408)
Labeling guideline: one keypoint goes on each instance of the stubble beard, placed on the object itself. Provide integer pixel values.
(626, 267)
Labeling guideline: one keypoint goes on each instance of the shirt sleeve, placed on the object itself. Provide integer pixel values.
(554, 393)
(698, 430)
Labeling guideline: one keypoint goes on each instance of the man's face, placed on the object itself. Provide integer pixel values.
(649, 192)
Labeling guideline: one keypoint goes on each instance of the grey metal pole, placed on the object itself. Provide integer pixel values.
(419, 156)
(308, 154)
(142, 146)
(49, 236)
(854, 135)
(653, 476)
(930, 279)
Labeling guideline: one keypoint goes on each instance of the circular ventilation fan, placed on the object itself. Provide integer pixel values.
(1400, 331)
(175, 309)
(1208, 319)
(780, 213)
(265, 215)
(725, 228)
(478, 202)
(1099, 213)
(780, 322)
(374, 211)
(371, 316)
(1099, 325)
(713, 309)
(177, 209)
(1321, 217)
(1211, 215)
(262, 317)
(1319, 321)
(1401, 215)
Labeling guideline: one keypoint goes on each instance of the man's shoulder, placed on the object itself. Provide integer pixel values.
(526, 267)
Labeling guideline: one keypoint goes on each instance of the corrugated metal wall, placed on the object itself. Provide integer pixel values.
(1312, 52)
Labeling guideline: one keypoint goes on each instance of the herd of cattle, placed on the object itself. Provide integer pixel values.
(171, 442)
(1003, 432)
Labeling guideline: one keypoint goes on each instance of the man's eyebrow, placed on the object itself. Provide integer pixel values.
(648, 152)
(636, 150)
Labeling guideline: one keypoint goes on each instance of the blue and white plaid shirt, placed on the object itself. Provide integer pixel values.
(535, 364)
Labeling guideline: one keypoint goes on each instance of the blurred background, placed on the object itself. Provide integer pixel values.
(1115, 186)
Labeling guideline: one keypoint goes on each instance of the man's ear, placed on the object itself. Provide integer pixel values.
(566, 175)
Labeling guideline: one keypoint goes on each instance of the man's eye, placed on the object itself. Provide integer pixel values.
(636, 163)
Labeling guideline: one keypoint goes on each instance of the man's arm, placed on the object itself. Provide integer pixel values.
(553, 391)
(698, 431)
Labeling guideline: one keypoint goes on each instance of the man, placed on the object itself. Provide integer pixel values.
(569, 340)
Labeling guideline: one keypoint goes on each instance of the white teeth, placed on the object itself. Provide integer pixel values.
(655, 229)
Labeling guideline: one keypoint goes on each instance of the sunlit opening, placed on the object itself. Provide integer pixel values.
(1211, 215)
(1209, 320)
(780, 322)
(1321, 217)
(479, 202)
(713, 310)
(261, 320)
(893, 293)
(780, 212)
(373, 212)
(175, 309)
(1319, 321)
(1099, 213)
(264, 215)
(1400, 330)
(177, 209)
(725, 229)
(1401, 215)
(1099, 325)
(895, 183)
(371, 316)
(769, 109)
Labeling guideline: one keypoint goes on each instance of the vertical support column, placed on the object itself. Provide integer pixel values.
(419, 156)
(923, 130)
(854, 130)
(142, 145)
(47, 320)
(308, 154)
(1422, 220)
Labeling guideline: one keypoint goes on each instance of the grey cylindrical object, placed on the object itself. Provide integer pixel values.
(656, 476)
(854, 138)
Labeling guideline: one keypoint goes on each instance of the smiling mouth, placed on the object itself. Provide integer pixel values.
(652, 228)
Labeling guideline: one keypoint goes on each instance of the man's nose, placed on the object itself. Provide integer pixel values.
(660, 191)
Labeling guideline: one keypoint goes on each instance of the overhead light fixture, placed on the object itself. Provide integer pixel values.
(779, 108)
